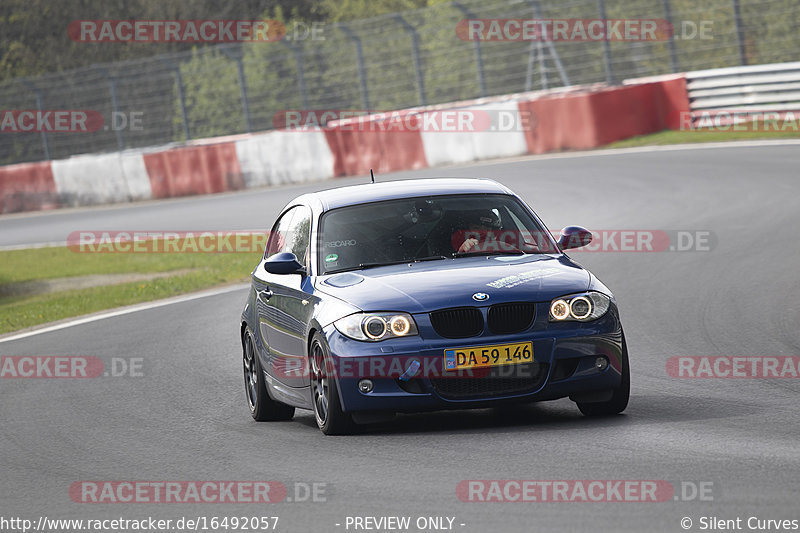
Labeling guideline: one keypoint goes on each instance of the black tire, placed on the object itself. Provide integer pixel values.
(262, 407)
(620, 397)
(328, 413)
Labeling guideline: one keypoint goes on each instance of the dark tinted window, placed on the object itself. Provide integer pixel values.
(419, 228)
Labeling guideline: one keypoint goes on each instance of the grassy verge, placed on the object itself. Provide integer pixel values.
(785, 131)
(19, 311)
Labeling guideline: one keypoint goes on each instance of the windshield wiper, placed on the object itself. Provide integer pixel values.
(415, 260)
(492, 252)
(376, 264)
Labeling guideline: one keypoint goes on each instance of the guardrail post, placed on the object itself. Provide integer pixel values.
(601, 6)
(301, 76)
(176, 69)
(673, 56)
(478, 55)
(238, 56)
(37, 93)
(423, 100)
(737, 16)
(362, 71)
(112, 81)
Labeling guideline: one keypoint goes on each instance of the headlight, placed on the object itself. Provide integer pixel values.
(376, 326)
(582, 307)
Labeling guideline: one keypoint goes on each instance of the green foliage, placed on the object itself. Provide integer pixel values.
(33, 40)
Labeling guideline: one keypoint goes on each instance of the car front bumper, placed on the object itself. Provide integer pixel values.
(565, 356)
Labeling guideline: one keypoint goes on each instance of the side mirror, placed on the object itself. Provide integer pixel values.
(284, 263)
(574, 237)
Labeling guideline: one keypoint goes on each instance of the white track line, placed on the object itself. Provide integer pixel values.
(12, 247)
(124, 311)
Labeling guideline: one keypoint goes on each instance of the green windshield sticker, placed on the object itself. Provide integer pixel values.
(331, 257)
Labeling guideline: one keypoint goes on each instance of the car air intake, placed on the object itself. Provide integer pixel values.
(490, 383)
(511, 317)
(458, 322)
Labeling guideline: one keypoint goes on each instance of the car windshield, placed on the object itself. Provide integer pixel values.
(427, 229)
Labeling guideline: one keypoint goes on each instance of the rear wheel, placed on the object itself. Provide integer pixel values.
(620, 396)
(262, 407)
(331, 420)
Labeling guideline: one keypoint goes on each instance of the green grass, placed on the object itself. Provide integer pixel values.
(704, 136)
(22, 311)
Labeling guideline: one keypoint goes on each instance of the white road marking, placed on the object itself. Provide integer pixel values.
(12, 247)
(124, 311)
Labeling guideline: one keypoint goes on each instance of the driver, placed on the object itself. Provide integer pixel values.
(478, 225)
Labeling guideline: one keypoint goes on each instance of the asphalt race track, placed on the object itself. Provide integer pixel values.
(186, 417)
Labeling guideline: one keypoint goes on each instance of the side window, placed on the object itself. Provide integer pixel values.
(278, 236)
(299, 234)
(291, 233)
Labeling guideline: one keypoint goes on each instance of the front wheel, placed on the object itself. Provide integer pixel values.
(262, 407)
(331, 420)
(619, 399)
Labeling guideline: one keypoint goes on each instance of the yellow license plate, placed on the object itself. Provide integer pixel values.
(486, 356)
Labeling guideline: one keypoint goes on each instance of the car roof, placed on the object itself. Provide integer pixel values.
(390, 190)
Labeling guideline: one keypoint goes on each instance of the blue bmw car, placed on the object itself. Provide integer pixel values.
(421, 295)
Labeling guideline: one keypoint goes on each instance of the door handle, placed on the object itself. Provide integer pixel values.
(265, 295)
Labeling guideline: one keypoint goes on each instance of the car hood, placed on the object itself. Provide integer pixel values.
(426, 286)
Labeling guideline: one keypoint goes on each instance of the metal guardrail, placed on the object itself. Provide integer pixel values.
(773, 87)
